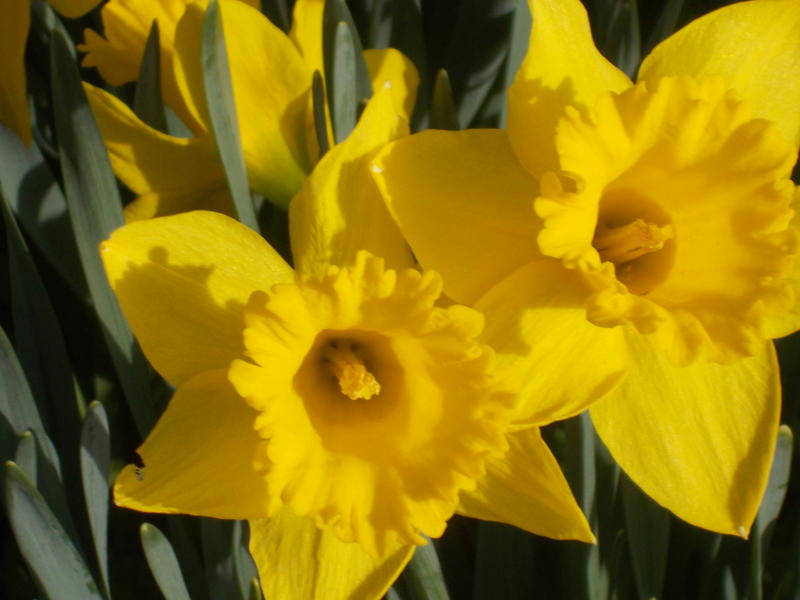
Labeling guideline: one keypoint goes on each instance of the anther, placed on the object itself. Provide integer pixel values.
(628, 242)
(355, 380)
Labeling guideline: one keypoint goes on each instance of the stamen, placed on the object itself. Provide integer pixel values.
(355, 381)
(624, 244)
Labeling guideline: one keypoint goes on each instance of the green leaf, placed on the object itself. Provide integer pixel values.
(665, 26)
(342, 83)
(346, 74)
(219, 546)
(163, 563)
(517, 46)
(771, 504)
(443, 109)
(648, 536)
(504, 563)
(57, 567)
(147, 101)
(222, 113)
(318, 105)
(95, 461)
(423, 577)
(37, 201)
(95, 210)
(243, 564)
(25, 455)
(407, 36)
(277, 11)
(41, 350)
(616, 27)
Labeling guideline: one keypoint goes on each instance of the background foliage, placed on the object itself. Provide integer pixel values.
(77, 397)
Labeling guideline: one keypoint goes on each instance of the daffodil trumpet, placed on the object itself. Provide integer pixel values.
(336, 405)
(639, 239)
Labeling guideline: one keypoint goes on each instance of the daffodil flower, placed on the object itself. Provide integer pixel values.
(15, 21)
(336, 406)
(633, 240)
(271, 75)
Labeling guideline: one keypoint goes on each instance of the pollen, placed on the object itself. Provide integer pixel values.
(629, 242)
(354, 379)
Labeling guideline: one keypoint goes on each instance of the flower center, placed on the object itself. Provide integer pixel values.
(623, 244)
(343, 360)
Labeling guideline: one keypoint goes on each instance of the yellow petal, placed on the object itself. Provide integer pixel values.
(16, 20)
(526, 488)
(72, 9)
(296, 559)
(306, 32)
(698, 439)
(183, 281)
(450, 190)
(339, 209)
(392, 66)
(198, 459)
(180, 173)
(562, 67)
(536, 322)
(754, 46)
(271, 86)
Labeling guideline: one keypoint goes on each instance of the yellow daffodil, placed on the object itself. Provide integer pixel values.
(632, 239)
(271, 75)
(336, 406)
(15, 21)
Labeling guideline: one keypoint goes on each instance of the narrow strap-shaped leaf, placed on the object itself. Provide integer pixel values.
(346, 73)
(25, 456)
(517, 47)
(218, 549)
(95, 460)
(318, 104)
(36, 200)
(342, 83)
(41, 350)
(95, 210)
(443, 108)
(504, 563)
(222, 112)
(163, 563)
(771, 504)
(423, 577)
(57, 567)
(148, 103)
(243, 564)
(407, 37)
(648, 536)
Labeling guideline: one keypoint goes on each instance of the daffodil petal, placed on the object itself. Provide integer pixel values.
(13, 91)
(183, 281)
(780, 325)
(464, 204)
(180, 172)
(699, 439)
(536, 322)
(198, 459)
(562, 67)
(306, 32)
(72, 9)
(753, 46)
(392, 67)
(297, 559)
(339, 209)
(271, 88)
(526, 488)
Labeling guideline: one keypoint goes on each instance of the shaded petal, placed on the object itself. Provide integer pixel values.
(536, 322)
(753, 46)
(392, 66)
(16, 20)
(178, 173)
(562, 67)
(272, 118)
(199, 457)
(339, 209)
(183, 281)
(297, 559)
(72, 9)
(698, 439)
(449, 190)
(527, 489)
